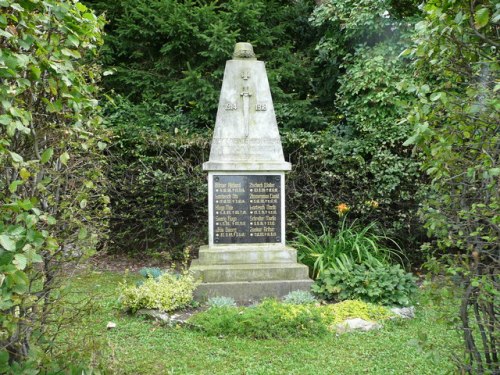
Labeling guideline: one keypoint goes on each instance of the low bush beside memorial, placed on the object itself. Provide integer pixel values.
(385, 284)
(167, 292)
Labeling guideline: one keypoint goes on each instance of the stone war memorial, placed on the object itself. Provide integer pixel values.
(246, 257)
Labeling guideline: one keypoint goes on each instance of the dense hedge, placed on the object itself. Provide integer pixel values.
(159, 190)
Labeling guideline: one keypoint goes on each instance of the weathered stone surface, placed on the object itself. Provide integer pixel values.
(213, 273)
(154, 314)
(404, 312)
(356, 324)
(258, 253)
(246, 136)
(179, 318)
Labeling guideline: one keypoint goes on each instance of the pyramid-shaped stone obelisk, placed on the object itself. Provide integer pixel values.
(246, 257)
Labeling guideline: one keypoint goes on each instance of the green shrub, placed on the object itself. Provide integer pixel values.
(158, 191)
(299, 297)
(351, 244)
(386, 285)
(53, 207)
(270, 319)
(166, 293)
(221, 302)
(336, 313)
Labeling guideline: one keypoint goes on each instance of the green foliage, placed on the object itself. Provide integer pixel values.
(362, 157)
(52, 206)
(456, 130)
(352, 244)
(422, 345)
(166, 293)
(171, 52)
(363, 171)
(218, 302)
(299, 297)
(269, 319)
(168, 58)
(159, 194)
(336, 313)
(298, 316)
(386, 285)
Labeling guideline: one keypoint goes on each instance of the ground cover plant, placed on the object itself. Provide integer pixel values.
(274, 319)
(423, 345)
(221, 302)
(337, 313)
(269, 319)
(300, 297)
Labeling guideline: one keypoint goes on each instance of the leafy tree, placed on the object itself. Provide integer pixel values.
(359, 48)
(457, 130)
(51, 165)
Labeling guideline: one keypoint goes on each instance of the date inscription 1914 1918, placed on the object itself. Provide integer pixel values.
(247, 209)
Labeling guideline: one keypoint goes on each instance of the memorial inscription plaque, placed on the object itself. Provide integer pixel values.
(247, 209)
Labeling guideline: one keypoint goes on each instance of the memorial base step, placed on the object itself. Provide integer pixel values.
(234, 254)
(250, 291)
(211, 273)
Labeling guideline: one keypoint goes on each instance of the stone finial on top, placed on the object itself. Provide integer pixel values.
(243, 51)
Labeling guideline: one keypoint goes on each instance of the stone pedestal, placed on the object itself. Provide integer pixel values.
(246, 257)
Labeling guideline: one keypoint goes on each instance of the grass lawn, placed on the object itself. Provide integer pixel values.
(138, 346)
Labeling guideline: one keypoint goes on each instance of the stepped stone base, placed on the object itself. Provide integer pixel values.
(249, 272)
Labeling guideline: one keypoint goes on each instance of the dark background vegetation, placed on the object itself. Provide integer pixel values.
(338, 90)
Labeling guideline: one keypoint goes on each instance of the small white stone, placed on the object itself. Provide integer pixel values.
(111, 325)
(404, 312)
(155, 314)
(356, 324)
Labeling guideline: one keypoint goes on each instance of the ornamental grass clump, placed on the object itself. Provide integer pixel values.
(166, 293)
(351, 244)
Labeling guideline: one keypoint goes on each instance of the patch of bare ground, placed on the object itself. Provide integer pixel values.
(121, 263)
